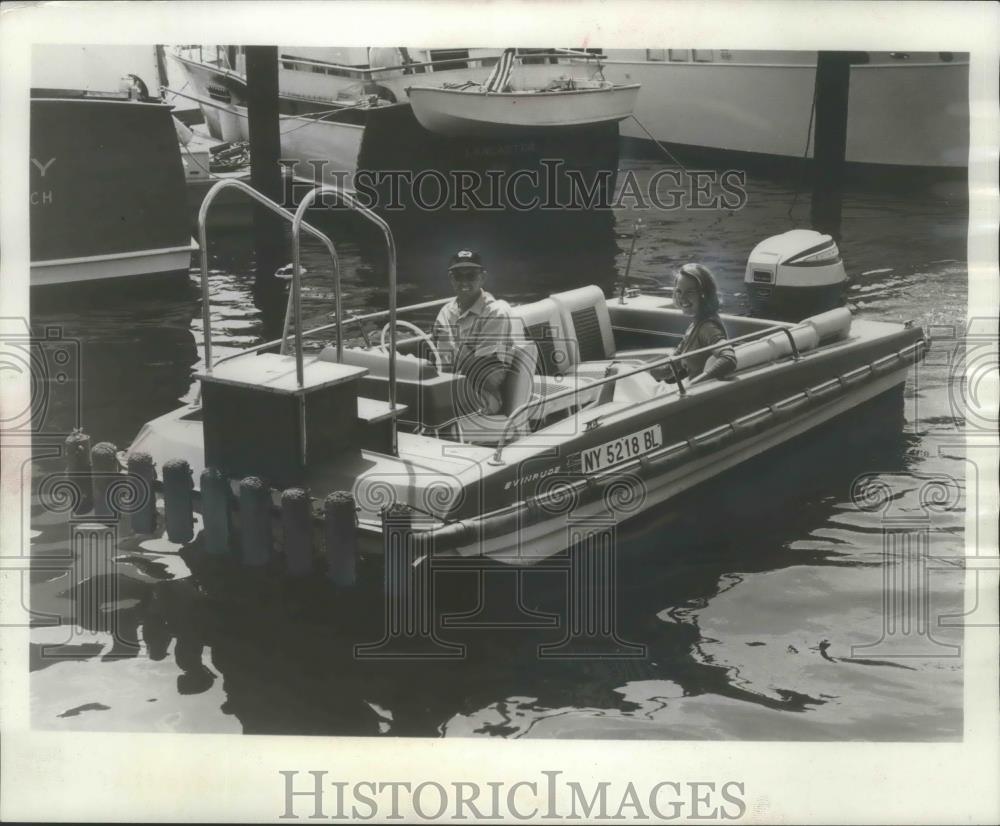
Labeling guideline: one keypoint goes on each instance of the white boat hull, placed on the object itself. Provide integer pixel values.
(120, 265)
(535, 527)
(905, 113)
(474, 113)
(333, 148)
(333, 145)
(531, 544)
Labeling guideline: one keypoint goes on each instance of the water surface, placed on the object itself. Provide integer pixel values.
(753, 596)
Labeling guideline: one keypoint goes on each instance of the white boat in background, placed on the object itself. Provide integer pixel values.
(906, 109)
(338, 118)
(499, 105)
(465, 112)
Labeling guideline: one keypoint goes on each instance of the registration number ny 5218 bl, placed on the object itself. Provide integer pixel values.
(621, 450)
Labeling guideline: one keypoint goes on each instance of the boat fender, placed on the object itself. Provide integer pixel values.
(755, 353)
(791, 406)
(462, 533)
(753, 423)
(886, 364)
(670, 458)
(831, 325)
(713, 439)
(806, 337)
(859, 374)
(825, 391)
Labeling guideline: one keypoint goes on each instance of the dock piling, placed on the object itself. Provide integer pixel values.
(265, 152)
(833, 81)
(104, 467)
(143, 519)
(341, 536)
(78, 469)
(296, 522)
(178, 505)
(255, 521)
(215, 496)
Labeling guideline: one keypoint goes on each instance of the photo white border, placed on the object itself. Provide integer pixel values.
(59, 776)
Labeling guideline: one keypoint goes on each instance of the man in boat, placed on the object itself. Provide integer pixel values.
(473, 332)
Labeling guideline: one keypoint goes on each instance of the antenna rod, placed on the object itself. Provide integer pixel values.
(636, 231)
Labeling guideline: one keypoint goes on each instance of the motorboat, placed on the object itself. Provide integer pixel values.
(906, 110)
(108, 195)
(499, 106)
(342, 111)
(587, 431)
(474, 111)
(206, 161)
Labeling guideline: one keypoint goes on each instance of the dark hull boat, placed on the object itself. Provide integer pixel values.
(108, 196)
(586, 433)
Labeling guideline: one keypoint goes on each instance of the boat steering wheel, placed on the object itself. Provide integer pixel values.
(413, 328)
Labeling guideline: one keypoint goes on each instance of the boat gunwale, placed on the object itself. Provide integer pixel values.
(713, 439)
(528, 94)
(811, 66)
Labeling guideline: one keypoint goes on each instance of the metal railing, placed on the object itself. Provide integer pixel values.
(370, 72)
(293, 310)
(351, 202)
(278, 210)
(666, 361)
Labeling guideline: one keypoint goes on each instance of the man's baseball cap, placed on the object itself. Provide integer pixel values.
(465, 259)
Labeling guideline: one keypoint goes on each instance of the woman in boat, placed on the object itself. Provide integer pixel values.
(697, 296)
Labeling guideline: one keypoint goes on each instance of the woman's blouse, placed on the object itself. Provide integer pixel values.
(705, 332)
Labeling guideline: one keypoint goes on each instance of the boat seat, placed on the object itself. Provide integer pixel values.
(376, 360)
(429, 395)
(557, 355)
(584, 317)
(543, 364)
(517, 388)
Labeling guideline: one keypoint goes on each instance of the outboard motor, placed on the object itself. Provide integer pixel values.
(794, 275)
